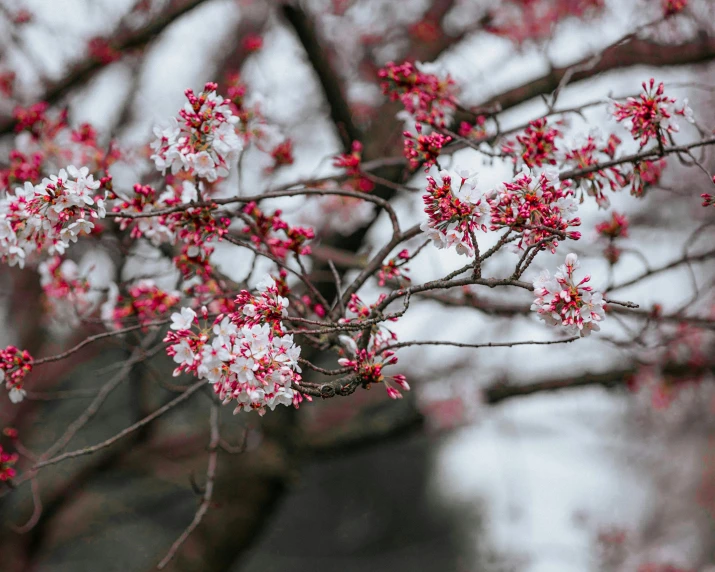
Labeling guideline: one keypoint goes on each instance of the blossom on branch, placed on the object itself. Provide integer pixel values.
(426, 94)
(15, 364)
(652, 115)
(536, 206)
(456, 210)
(560, 301)
(205, 143)
(48, 216)
(246, 355)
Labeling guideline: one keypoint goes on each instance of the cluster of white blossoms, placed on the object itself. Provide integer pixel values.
(560, 301)
(203, 141)
(246, 355)
(49, 216)
(455, 210)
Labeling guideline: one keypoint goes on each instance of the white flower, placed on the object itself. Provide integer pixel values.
(183, 320)
(204, 165)
(17, 395)
(225, 330)
(184, 354)
(266, 283)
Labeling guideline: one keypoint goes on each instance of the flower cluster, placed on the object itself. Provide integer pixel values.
(645, 174)
(48, 216)
(686, 347)
(245, 355)
(652, 115)
(368, 364)
(672, 7)
(7, 462)
(263, 228)
(205, 143)
(616, 227)
(537, 206)
(66, 292)
(477, 130)
(395, 268)
(15, 364)
(426, 96)
(590, 152)
(562, 301)
(282, 156)
(423, 149)
(46, 143)
(456, 210)
(536, 146)
(351, 163)
(144, 302)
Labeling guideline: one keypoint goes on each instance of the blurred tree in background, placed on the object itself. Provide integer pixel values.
(420, 180)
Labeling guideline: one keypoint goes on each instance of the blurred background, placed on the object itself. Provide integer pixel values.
(615, 474)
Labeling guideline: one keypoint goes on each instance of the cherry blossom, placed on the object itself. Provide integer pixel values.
(205, 143)
(455, 210)
(652, 115)
(560, 301)
(246, 355)
(15, 364)
(49, 216)
(537, 206)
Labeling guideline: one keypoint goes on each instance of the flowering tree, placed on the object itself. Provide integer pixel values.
(190, 252)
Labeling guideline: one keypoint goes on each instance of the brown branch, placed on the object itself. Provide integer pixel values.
(616, 378)
(634, 53)
(208, 491)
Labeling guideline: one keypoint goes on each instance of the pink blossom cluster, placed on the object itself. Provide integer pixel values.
(423, 149)
(672, 7)
(652, 115)
(351, 163)
(536, 146)
(204, 143)
(193, 226)
(455, 210)
(395, 268)
(425, 96)
(144, 302)
(46, 143)
(588, 153)
(7, 462)
(15, 364)
(477, 130)
(638, 177)
(368, 363)
(537, 206)
(612, 229)
(263, 229)
(560, 301)
(246, 355)
(66, 291)
(49, 216)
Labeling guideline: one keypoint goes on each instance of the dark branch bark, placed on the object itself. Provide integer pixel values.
(328, 77)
